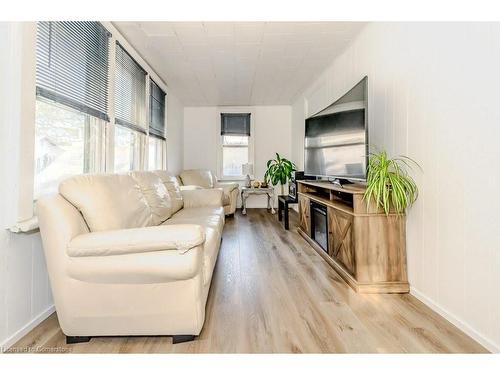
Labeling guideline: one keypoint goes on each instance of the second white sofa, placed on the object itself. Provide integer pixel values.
(130, 254)
(205, 179)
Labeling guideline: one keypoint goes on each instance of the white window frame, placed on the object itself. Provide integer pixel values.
(251, 138)
(22, 80)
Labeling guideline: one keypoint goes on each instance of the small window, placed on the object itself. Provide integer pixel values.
(130, 112)
(128, 149)
(157, 153)
(235, 133)
(157, 146)
(234, 155)
(156, 111)
(130, 91)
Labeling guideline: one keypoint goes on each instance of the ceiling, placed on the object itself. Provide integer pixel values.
(238, 63)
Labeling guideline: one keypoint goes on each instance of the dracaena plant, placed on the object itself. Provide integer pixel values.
(279, 171)
(389, 184)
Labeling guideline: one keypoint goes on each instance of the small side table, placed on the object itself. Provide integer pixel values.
(245, 192)
(283, 202)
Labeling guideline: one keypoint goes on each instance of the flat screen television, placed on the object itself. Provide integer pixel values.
(336, 139)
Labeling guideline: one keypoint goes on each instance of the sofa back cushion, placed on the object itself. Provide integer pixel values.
(107, 201)
(156, 194)
(173, 189)
(198, 177)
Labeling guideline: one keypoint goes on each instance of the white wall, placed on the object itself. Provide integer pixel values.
(433, 95)
(25, 295)
(271, 132)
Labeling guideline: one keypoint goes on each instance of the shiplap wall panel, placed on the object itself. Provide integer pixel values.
(434, 96)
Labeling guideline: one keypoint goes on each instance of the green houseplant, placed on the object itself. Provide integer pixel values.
(279, 171)
(389, 184)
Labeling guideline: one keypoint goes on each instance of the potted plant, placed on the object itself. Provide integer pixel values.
(279, 171)
(388, 183)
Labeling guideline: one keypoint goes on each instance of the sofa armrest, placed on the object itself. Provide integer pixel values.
(227, 186)
(137, 240)
(202, 198)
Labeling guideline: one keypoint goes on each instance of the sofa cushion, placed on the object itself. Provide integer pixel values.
(207, 217)
(198, 177)
(203, 198)
(156, 195)
(173, 189)
(107, 201)
(136, 240)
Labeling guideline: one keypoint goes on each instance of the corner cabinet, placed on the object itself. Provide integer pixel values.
(365, 246)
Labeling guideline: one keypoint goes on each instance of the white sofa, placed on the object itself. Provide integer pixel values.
(205, 179)
(130, 254)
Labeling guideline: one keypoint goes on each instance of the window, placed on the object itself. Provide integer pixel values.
(234, 155)
(157, 154)
(73, 68)
(235, 133)
(67, 142)
(72, 101)
(128, 149)
(156, 111)
(130, 112)
(157, 145)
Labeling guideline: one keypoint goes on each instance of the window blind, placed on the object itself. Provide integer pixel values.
(130, 91)
(156, 111)
(72, 65)
(235, 124)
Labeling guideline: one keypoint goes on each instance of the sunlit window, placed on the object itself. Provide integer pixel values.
(234, 155)
(67, 142)
(128, 149)
(156, 153)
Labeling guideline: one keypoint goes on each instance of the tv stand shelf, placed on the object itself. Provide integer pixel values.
(338, 204)
(365, 246)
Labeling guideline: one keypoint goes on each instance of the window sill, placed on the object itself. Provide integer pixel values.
(25, 226)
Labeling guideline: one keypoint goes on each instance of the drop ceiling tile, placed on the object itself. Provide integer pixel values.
(219, 28)
(275, 39)
(194, 34)
(156, 28)
(248, 32)
(279, 27)
(167, 43)
(196, 51)
(244, 63)
(221, 42)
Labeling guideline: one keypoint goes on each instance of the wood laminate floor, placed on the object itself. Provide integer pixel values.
(272, 293)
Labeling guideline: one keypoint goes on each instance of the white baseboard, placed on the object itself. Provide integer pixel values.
(453, 319)
(6, 344)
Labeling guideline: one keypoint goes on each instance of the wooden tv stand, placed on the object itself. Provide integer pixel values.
(366, 247)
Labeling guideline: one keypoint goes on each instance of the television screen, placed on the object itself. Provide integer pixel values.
(336, 139)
